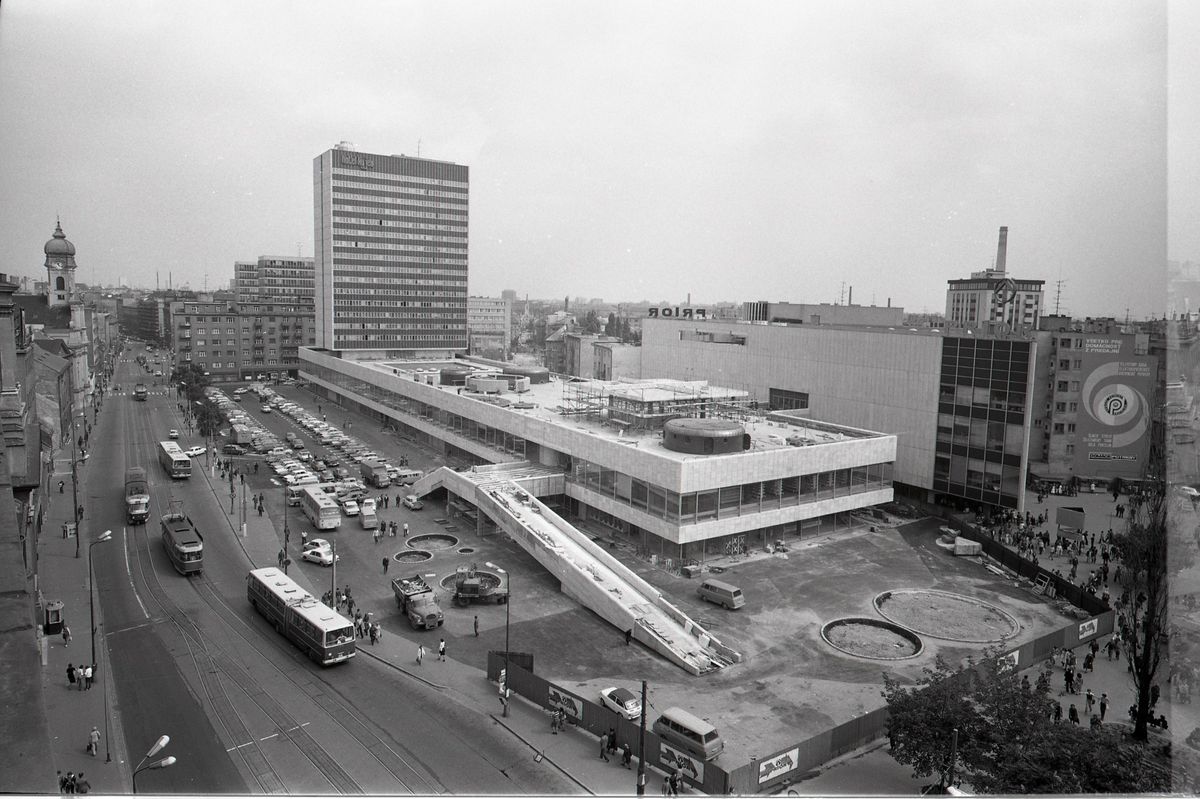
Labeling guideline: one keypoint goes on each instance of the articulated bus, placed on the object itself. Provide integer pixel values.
(320, 508)
(174, 462)
(184, 545)
(324, 635)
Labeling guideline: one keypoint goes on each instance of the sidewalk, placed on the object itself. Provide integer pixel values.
(70, 712)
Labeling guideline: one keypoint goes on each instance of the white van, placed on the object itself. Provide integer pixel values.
(692, 734)
(405, 477)
(721, 593)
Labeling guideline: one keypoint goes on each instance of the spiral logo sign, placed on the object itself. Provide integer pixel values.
(1115, 404)
(1118, 407)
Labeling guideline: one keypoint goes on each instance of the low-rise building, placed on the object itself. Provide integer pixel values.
(237, 341)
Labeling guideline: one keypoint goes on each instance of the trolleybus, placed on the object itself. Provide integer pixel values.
(324, 635)
(184, 545)
(173, 461)
(320, 508)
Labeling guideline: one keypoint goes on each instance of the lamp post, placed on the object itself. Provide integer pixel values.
(162, 741)
(507, 603)
(107, 536)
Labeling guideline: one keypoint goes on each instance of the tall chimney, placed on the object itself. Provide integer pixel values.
(850, 301)
(1002, 249)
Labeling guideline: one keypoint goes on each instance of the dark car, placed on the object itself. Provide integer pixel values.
(233, 449)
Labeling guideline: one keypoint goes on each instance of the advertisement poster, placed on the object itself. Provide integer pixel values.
(1112, 434)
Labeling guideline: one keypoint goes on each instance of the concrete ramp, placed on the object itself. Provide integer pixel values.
(600, 582)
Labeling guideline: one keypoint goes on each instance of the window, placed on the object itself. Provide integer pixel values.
(1074, 385)
(1058, 427)
(784, 400)
(1070, 427)
(1060, 407)
(1061, 385)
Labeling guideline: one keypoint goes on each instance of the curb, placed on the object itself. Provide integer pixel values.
(401, 669)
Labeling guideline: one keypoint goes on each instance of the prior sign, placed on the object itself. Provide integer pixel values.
(677, 313)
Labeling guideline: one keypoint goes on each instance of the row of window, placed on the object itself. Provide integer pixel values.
(382, 201)
(397, 185)
(383, 178)
(369, 216)
(364, 259)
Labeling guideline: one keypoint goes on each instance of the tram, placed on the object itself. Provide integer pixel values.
(184, 545)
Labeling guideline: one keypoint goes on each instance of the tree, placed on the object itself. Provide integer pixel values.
(591, 323)
(1007, 739)
(613, 326)
(1144, 581)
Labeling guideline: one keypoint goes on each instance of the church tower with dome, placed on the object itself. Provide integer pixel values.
(60, 269)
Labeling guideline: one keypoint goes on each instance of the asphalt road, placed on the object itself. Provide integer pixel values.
(246, 713)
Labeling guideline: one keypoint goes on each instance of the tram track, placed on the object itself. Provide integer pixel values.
(216, 670)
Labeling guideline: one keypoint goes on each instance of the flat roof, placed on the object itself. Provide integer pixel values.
(576, 403)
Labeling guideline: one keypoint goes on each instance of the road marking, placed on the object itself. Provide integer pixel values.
(129, 572)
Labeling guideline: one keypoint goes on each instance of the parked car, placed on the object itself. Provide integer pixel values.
(265, 408)
(350, 507)
(319, 551)
(413, 502)
(622, 701)
(233, 449)
(195, 452)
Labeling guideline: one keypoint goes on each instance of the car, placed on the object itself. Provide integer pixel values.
(195, 452)
(349, 507)
(326, 475)
(320, 465)
(1188, 491)
(319, 551)
(341, 472)
(304, 456)
(622, 701)
(240, 390)
(367, 506)
(413, 502)
(172, 434)
(265, 408)
(233, 449)
(279, 469)
(237, 398)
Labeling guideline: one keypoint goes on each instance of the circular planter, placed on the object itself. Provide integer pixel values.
(432, 541)
(947, 616)
(412, 556)
(465, 550)
(488, 579)
(872, 639)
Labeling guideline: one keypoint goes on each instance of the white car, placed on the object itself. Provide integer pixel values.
(172, 434)
(240, 390)
(350, 507)
(622, 701)
(194, 452)
(367, 506)
(319, 551)
(413, 502)
(1188, 491)
(265, 408)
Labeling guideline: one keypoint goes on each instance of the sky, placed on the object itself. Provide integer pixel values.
(624, 150)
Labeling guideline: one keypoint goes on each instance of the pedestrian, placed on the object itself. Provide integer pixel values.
(626, 754)
(420, 653)
(79, 677)
(442, 650)
(612, 740)
(628, 636)
(62, 782)
(60, 486)
(81, 785)
(87, 678)
(1073, 714)
(604, 747)
(70, 782)
(66, 635)
(1103, 705)
(1088, 660)
(477, 626)
(406, 529)
(93, 742)
(675, 780)
(666, 786)
(375, 535)
(1089, 701)
(386, 562)
(1058, 711)
(554, 721)
(374, 635)
(70, 675)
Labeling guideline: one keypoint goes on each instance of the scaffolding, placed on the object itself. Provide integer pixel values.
(645, 406)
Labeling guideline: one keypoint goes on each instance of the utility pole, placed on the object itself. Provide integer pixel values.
(641, 774)
(75, 482)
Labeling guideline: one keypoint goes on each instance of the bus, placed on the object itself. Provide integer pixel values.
(139, 392)
(184, 545)
(174, 462)
(320, 508)
(324, 635)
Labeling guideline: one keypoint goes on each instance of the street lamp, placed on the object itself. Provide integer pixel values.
(507, 602)
(75, 483)
(107, 536)
(154, 750)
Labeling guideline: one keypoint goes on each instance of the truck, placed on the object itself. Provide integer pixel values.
(137, 495)
(374, 473)
(471, 586)
(419, 603)
(139, 392)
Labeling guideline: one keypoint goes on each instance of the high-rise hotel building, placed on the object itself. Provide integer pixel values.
(391, 254)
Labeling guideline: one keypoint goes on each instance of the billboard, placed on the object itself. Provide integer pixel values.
(1113, 424)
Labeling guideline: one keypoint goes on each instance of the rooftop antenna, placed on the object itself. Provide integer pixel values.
(1058, 285)
(418, 148)
(299, 252)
